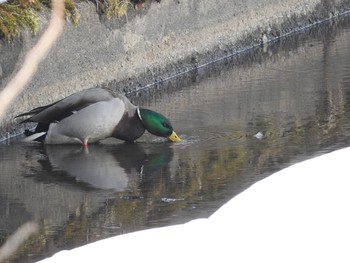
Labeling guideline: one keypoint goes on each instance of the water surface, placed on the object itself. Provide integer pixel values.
(240, 120)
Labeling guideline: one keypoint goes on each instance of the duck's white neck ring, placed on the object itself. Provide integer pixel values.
(138, 113)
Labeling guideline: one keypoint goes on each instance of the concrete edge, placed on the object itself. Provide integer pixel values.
(149, 77)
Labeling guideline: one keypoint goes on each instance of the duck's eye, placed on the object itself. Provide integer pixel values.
(167, 125)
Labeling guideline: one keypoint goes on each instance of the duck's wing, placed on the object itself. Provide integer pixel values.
(65, 107)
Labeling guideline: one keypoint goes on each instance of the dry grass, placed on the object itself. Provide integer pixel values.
(117, 8)
(16, 15)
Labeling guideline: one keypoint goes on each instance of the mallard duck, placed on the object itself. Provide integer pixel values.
(92, 115)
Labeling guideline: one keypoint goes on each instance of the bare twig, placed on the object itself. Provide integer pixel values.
(11, 91)
(34, 57)
(16, 239)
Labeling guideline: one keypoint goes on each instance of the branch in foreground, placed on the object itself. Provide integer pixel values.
(16, 239)
(34, 57)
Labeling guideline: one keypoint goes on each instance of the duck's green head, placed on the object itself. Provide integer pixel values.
(157, 124)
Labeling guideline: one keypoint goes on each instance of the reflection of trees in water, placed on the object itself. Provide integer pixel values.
(199, 174)
(300, 136)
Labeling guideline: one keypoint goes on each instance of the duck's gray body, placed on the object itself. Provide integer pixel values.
(89, 116)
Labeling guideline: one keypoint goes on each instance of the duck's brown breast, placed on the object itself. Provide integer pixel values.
(129, 128)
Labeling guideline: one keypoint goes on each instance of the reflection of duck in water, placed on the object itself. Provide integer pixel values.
(107, 167)
(93, 115)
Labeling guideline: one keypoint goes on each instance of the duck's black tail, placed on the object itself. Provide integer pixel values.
(39, 134)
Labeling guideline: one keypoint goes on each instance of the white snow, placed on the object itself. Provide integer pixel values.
(300, 214)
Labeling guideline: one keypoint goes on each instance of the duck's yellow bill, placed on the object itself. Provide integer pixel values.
(174, 138)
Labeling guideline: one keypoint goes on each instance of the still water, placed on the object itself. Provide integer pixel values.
(240, 120)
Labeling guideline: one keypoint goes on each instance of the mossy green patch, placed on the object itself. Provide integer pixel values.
(23, 14)
(13, 17)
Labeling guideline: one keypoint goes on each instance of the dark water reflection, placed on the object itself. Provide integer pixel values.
(240, 120)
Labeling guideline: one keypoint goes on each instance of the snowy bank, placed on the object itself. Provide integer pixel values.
(300, 214)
